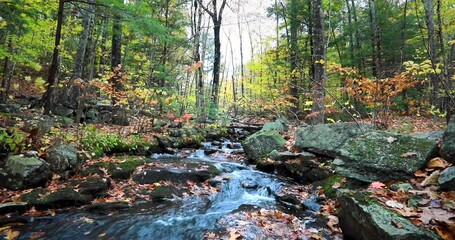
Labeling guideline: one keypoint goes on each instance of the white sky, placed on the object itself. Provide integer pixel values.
(252, 13)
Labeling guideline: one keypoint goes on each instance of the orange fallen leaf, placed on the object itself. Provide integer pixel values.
(437, 163)
(233, 235)
(397, 224)
(12, 234)
(376, 185)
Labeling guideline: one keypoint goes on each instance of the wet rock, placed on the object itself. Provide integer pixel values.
(107, 208)
(120, 117)
(149, 176)
(122, 170)
(312, 204)
(249, 184)
(363, 218)
(260, 144)
(326, 139)
(62, 198)
(96, 187)
(215, 182)
(447, 179)
(288, 198)
(30, 154)
(13, 207)
(91, 116)
(405, 187)
(303, 170)
(448, 142)
(21, 172)
(63, 158)
(266, 166)
(383, 156)
(165, 192)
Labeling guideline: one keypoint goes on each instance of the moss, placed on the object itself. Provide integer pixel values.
(328, 185)
(213, 170)
(33, 197)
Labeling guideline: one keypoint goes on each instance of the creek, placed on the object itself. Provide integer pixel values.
(184, 218)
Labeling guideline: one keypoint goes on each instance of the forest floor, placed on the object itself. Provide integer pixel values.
(271, 220)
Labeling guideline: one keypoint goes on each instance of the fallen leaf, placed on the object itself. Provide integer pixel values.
(391, 139)
(432, 179)
(437, 163)
(408, 155)
(233, 235)
(394, 204)
(12, 234)
(101, 235)
(5, 228)
(336, 185)
(397, 224)
(420, 173)
(36, 235)
(376, 185)
(333, 223)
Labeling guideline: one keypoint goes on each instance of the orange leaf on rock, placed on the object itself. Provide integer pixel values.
(233, 235)
(437, 163)
(397, 224)
(376, 185)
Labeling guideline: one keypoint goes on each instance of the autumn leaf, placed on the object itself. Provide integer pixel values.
(432, 179)
(233, 235)
(391, 139)
(12, 234)
(397, 224)
(437, 163)
(376, 185)
(394, 204)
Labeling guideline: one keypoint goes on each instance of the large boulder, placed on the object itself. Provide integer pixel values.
(383, 156)
(448, 142)
(363, 218)
(63, 158)
(260, 144)
(22, 172)
(326, 139)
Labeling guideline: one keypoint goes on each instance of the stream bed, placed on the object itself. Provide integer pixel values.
(242, 189)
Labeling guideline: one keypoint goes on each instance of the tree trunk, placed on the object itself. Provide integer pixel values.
(217, 16)
(52, 81)
(434, 81)
(294, 58)
(319, 59)
(116, 55)
(376, 40)
(242, 87)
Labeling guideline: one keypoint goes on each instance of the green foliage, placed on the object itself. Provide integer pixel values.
(12, 139)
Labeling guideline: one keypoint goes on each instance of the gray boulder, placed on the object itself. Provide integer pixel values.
(260, 144)
(447, 179)
(63, 158)
(326, 139)
(22, 172)
(448, 142)
(363, 218)
(433, 136)
(279, 125)
(383, 156)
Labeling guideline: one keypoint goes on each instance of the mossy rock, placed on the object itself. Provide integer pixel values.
(362, 217)
(260, 144)
(121, 170)
(165, 192)
(383, 156)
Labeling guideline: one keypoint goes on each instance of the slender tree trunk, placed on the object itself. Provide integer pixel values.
(217, 16)
(52, 80)
(403, 49)
(294, 58)
(375, 40)
(242, 87)
(319, 59)
(429, 19)
(103, 60)
(7, 71)
(197, 26)
(116, 56)
(80, 60)
(358, 46)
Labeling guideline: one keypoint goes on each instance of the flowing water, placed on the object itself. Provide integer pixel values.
(179, 219)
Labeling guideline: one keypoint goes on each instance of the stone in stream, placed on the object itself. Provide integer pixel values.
(21, 172)
(66, 197)
(149, 176)
(383, 156)
(260, 144)
(326, 139)
(448, 142)
(362, 217)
